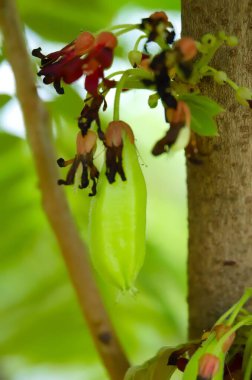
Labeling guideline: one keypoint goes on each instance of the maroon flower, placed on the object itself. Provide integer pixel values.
(85, 147)
(179, 118)
(86, 55)
(90, 113)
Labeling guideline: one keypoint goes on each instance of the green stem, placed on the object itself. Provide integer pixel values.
(115, 73)
(137, 85)
(126, 30)
(101, 85)
(245, 321)
(235, 309)
(232, 84)
(239, 305)
(137, 73)
(211, 71)
(122, 26)
(138, 41)
(204, 60)
(248, 370)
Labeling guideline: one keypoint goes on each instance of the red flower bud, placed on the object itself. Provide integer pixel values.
(159, 16)
(83, 43)
(106, 39)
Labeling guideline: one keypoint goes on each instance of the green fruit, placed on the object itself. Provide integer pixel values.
(117, 222)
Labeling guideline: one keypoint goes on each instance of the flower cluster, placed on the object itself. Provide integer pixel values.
(87, 54)
(224, 352)
(173, 75)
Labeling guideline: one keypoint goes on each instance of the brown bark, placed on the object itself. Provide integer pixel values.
(73, 250)
(220, 190)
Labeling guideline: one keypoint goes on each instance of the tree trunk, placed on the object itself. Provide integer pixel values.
(220, 190)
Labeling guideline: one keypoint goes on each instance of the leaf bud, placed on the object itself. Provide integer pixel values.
(232, 41)
(244, 96)
(135, 57)
(153, 100)
(208, 39)
(220, 77)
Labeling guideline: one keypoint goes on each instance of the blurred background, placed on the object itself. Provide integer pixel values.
(42, 333)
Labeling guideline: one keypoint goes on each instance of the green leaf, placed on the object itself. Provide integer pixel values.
(4, 99)
(154, 368)
(68, 106)
(64, 20)
(166, 5)
(203, 110)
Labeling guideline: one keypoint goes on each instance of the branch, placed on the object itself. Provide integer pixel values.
(74, 251)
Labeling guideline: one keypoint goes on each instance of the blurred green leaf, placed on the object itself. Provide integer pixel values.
(67, 106)
(4, 99)
(156, 368)
(64, 20)
(161, 5)
(203, 110)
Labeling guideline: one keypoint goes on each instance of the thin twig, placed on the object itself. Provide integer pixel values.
(74, 251)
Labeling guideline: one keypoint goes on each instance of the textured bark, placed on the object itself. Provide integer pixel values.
(220, 190)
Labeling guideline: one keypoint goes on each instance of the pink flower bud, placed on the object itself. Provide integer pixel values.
(187, 47)
(208, 366)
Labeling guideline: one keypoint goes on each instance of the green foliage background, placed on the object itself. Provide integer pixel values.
(42, 333)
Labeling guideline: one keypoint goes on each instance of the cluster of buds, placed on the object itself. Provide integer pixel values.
(218, 354)
(85, 149)
(223, 353)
